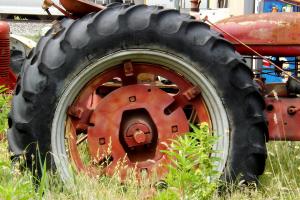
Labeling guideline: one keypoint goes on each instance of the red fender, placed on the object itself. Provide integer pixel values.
(276, 34)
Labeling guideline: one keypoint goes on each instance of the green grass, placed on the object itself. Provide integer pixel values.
(279, 182)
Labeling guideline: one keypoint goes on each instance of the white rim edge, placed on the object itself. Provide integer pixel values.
(212, 100)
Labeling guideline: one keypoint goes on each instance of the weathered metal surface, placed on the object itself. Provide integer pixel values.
(137, 129)
(268, 33)
(283, 118)
(107, 118)
(7, 77)
(124, 119)
(4, 49)
(270, 50)
(81, 7)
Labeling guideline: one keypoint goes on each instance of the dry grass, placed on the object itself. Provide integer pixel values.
(279, 182)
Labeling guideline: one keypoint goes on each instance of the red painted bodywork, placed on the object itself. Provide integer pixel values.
(80, 7)
(273, 34)
(7, 77)
(283, 124)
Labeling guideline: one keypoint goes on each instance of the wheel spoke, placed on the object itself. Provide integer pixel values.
(193, 117)
(73, 149)
(183, 98)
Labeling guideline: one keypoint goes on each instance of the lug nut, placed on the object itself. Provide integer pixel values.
(139, 136)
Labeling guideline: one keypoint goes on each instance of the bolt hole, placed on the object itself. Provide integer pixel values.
(101, 141)
(174, 129)
(270, 107)
(149, 90)
(132, 99)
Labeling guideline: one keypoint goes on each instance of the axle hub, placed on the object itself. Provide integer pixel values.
(137, 133)
(129, 118)
(130, 121)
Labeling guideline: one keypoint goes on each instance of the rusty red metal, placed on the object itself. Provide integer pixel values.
(107, 119)
(269, 33)
(283, 118)
(127, 121)
(7, 77)
(137, 131)
(280, 50)
(5, 51)
(81, 7)
(139, 137)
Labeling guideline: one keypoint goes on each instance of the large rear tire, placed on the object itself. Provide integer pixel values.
(69, 57)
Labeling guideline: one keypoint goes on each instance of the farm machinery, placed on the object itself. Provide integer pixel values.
(14, 49)
(117, 82)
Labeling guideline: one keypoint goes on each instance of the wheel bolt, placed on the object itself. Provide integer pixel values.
(139, 136)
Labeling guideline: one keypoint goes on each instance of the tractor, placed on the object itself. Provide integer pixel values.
(118, 81)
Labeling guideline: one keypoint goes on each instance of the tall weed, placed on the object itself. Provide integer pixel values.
(192, 173)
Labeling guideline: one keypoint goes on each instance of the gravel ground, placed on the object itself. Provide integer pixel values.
(28, 28)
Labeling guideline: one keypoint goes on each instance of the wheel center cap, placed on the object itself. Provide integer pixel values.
(137, 133)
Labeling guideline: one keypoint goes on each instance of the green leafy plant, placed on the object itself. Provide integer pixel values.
(4, 110)
(192, 174)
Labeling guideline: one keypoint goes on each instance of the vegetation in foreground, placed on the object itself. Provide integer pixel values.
(280, 180)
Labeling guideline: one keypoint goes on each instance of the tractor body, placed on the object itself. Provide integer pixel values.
(272, 34)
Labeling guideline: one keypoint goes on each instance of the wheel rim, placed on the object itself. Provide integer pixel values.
(142, 125)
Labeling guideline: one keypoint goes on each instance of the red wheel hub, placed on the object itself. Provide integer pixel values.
(131, 121)
(108, 115)
(137, 132)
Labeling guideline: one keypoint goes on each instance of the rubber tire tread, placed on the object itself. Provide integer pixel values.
(61, 54)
